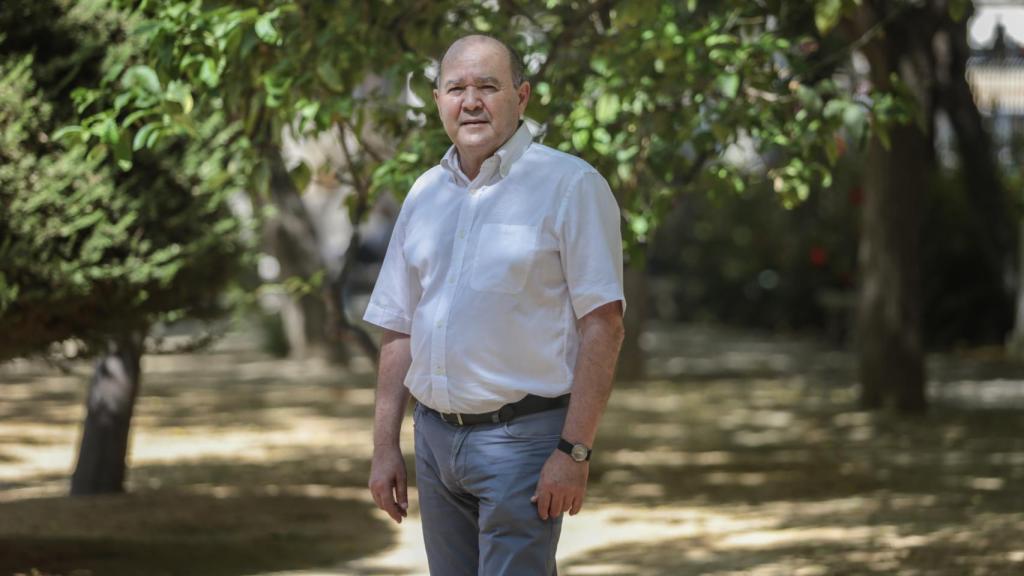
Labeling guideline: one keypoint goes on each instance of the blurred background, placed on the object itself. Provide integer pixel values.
(821, 209)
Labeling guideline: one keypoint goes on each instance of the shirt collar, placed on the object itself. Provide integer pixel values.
(510, 151)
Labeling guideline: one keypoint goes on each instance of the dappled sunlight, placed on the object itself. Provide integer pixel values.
(719, 471)
(184, 532)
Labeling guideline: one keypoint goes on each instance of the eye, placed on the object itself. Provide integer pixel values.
(489, 88)
(455, 90)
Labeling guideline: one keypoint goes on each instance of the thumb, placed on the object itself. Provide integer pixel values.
(403, 492)
(533, 498)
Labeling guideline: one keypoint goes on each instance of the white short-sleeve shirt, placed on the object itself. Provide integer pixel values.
(489, 277)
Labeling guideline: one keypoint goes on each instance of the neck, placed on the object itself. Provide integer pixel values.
(471, 163)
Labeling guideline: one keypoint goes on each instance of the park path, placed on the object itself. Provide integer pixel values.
(743, 453)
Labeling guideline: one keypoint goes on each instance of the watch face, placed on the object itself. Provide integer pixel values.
(579, 452)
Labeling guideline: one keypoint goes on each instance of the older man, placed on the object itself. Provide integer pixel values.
(501, 299)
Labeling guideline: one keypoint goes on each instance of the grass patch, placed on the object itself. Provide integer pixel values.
(172, 533)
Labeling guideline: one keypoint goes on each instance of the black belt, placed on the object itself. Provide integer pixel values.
(531, 404)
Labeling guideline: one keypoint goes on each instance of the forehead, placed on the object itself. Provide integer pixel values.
(478, 59)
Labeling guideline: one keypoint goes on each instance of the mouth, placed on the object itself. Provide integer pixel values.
(473, 122)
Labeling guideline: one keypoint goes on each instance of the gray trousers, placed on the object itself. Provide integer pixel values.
(475, 484)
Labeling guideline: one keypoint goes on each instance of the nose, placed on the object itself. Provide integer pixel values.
(471, 99)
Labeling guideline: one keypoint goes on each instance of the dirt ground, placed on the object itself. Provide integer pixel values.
(741, 454)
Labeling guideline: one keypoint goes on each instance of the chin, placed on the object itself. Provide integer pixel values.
(477, 140)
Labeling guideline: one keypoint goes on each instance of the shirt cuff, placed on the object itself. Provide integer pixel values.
(387, 319)
(593, 299)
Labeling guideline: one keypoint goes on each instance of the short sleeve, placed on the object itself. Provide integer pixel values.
(396, 293)
(591, 244)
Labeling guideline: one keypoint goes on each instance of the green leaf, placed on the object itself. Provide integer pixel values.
(141, 76)
(134, 116)
(607, 108)
(142, 136)
(110, 133)
(729, 84)
(180, 93)
(123, 154)
(73, 132)
(639, 224)
(826, 14)
(265, 28)
(208, 73)
(328, 74)
(720, 40)
(580, 138)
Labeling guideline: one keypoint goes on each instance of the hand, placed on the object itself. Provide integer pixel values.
(563, 481)
(388, 482)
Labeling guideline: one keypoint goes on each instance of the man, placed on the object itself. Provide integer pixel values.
(500, 294)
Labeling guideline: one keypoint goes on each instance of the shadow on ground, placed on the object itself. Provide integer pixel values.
(172, 533)
(758, 447)
(741, 454)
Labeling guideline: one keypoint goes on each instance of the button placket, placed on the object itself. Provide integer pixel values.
(439, 339)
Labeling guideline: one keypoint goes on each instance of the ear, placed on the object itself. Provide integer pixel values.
(523, 92)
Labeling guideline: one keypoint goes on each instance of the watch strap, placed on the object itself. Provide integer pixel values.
(567, 447)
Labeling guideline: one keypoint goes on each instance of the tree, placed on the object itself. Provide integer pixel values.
(917, 55)
(92, 254)
(655, 95)
(652, 94)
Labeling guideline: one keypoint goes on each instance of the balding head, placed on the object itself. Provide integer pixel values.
(477, 41)
(481, 96)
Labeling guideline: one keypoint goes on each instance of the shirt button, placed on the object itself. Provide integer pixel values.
(462, 234)
(451, 281)
(440, 324)
(439, 371)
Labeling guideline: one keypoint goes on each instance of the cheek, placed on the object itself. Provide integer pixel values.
(450, 112)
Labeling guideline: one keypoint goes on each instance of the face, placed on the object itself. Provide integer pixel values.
(476, 99)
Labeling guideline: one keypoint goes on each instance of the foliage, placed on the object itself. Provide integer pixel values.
(737, 258)
(653, 94)
(89, 252)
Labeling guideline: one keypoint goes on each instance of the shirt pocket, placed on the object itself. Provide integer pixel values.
(504, 255)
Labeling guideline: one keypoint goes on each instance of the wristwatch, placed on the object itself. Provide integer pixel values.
(578, 452)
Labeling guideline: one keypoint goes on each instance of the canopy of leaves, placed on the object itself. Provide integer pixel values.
(88, 251)
(655, 94)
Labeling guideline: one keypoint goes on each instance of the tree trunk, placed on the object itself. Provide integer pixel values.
(291, 238)
(110, 402)
(1016, 341)
(888, 317)
(891, 357)
(632, 361)
(991, 225)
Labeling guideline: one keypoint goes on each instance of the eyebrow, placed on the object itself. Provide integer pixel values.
(478, 80)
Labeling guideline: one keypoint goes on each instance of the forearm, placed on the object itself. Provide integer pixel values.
(392, 395)
(600, 342)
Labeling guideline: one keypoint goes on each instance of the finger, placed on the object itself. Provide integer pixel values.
(391, 507)
(543, 501)
(577, 503)
(556, 506)
(402, 495)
